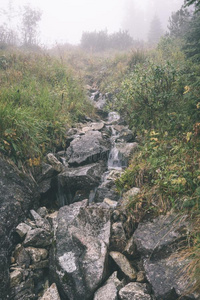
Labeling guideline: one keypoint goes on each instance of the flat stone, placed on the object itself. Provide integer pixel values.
(124, 265)
(135, 291)
(22, 229)
(51, 293)
(130, 249)
(88, 148)
(42, 211)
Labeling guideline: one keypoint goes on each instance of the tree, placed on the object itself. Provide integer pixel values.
(30, 19)
(179, 22)
(192, 46)
(155, 31)
(193, 2)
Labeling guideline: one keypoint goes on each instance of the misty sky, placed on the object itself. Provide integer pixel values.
(64, 20)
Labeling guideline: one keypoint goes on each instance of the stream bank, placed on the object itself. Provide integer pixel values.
(89, 247)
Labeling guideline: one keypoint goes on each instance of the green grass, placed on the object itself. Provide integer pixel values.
(39, 99)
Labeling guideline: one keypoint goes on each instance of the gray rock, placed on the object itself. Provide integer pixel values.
(161, 234)
(110, 203)
(22, 229)
(168, 278)
(40, 222)
(17, 196)
(87, 148)
(128, 196)
(125, 135)
(51, 293)
(38, 238)
(124, 265)
(55, 163)
(109, 291)
(98, 126)
(135, 291)
(79, 255)
(47, 172)
(108, 189)
(80, 180)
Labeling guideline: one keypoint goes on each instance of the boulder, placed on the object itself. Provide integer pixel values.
(118, 237)
(88, 148)
(110, 289)
(81, 180)
(124, 134)
(124, 265)
(126, 151)
(135, 291)
(16, 199)
(80, 251)
(168, 278)
(162, 234)
(51, 293)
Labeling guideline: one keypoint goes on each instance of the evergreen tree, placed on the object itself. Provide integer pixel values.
(192, 46)
(155, 31)
(179, 22)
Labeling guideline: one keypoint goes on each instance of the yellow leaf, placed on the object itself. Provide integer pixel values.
(188, 136)
(187, 89)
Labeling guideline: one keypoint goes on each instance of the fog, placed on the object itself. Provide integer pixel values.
(65, 20)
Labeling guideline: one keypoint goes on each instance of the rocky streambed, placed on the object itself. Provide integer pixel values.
(71, 237)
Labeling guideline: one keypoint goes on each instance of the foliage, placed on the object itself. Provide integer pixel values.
(102, 41)
(191, 46)
(179, 22)
(38, 99)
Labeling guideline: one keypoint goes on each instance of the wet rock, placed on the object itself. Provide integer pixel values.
(38, 238)
(22, 229)
(37, 254)
(55, 163)
(40, 222)
(124, 265)
(87, 148)
(51, 293)
(79, 255)
(168, 278)
(15, 277)
(118, 237)
(110, 289)
(79, 180)
(47, 172)
(126, 151)
(162, 234)
(108, 189)
(135, 291)
(17, 196)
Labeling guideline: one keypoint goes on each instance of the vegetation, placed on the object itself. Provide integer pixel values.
(39, 98)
